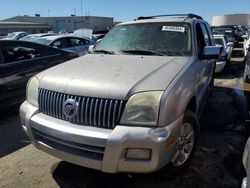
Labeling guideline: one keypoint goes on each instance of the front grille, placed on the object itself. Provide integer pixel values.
(96, 112)
(91, 152)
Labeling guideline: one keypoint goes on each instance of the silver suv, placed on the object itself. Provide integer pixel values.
(130, 106)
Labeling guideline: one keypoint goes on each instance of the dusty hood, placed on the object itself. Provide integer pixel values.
(112, 76)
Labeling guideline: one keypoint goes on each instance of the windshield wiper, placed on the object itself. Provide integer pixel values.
(104, 51)
(143, 52)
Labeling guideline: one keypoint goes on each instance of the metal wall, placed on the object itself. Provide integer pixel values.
(68, 23)
(231, 19)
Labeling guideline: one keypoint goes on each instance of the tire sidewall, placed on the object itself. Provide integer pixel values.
(189, 117)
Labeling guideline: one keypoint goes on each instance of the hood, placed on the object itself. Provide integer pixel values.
(112, 76)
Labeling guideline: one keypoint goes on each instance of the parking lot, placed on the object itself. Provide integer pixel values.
(216, 162)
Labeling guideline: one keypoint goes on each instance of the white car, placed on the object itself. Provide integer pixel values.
(69, 43)
(15, 35)
(221, 40)
(246, 163)
(246, 44)
(37, 35)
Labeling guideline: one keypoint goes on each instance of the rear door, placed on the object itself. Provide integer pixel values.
(22, 62)
(209, 41)
(205, 68)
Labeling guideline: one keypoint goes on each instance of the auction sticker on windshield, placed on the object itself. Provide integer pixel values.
(173, 28)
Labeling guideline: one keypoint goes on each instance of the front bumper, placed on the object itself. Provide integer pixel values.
(97, 148)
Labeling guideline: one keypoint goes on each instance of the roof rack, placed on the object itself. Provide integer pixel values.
(172, 15)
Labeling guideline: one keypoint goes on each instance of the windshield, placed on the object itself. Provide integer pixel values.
(11, 35)
(219, 42)
(155, 38)
(44, 41)
(223, 30)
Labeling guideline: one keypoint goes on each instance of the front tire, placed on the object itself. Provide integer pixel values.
(187, 141)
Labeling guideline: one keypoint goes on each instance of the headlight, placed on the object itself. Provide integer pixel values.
(32, 91)
(142, 109)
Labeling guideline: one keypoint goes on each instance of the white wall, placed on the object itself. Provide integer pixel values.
(231, 19)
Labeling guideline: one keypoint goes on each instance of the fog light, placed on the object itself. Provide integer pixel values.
(142, 154)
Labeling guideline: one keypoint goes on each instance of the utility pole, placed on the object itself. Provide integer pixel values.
(82, 15)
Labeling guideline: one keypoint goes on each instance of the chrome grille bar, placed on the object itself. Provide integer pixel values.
(96, 112)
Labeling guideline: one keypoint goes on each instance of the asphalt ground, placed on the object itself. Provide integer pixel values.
(216, 162)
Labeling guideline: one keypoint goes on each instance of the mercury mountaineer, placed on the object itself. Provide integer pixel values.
(133, 104)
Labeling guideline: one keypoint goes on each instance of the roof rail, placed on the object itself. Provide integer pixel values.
(172, 15)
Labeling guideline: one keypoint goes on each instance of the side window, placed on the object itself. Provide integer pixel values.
(21, 35)
(200, 39)
(210, 35)
(61, 43)
(77, 42)
(206, 35)
(19, 53)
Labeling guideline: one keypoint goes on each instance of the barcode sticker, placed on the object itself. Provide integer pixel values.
(173, 28)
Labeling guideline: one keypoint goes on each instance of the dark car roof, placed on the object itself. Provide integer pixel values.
(31, 44)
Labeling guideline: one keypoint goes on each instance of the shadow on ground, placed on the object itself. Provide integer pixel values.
(12, 137)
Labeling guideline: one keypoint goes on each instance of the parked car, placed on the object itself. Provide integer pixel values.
(246, 44)
(98, 35)
(230, 31)
(246, 163)
(221, 40)
(15, 35)
(31, 37)
(20, 60)
(133, 104)
(69, 43)
(246, 76)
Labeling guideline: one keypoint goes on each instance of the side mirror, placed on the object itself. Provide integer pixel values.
(211, 52)
(230, 44)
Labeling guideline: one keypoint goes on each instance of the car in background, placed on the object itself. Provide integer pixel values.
(221, 40)
(31, 37)
(20, 60)
(246, 45)
(15, 35)
(246, 76)
(230, 31)
(98, 35)
(246, 163)
(69, 43)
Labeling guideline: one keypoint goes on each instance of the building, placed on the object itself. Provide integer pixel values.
(231, 19)
(56, 24)
(8, 27)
